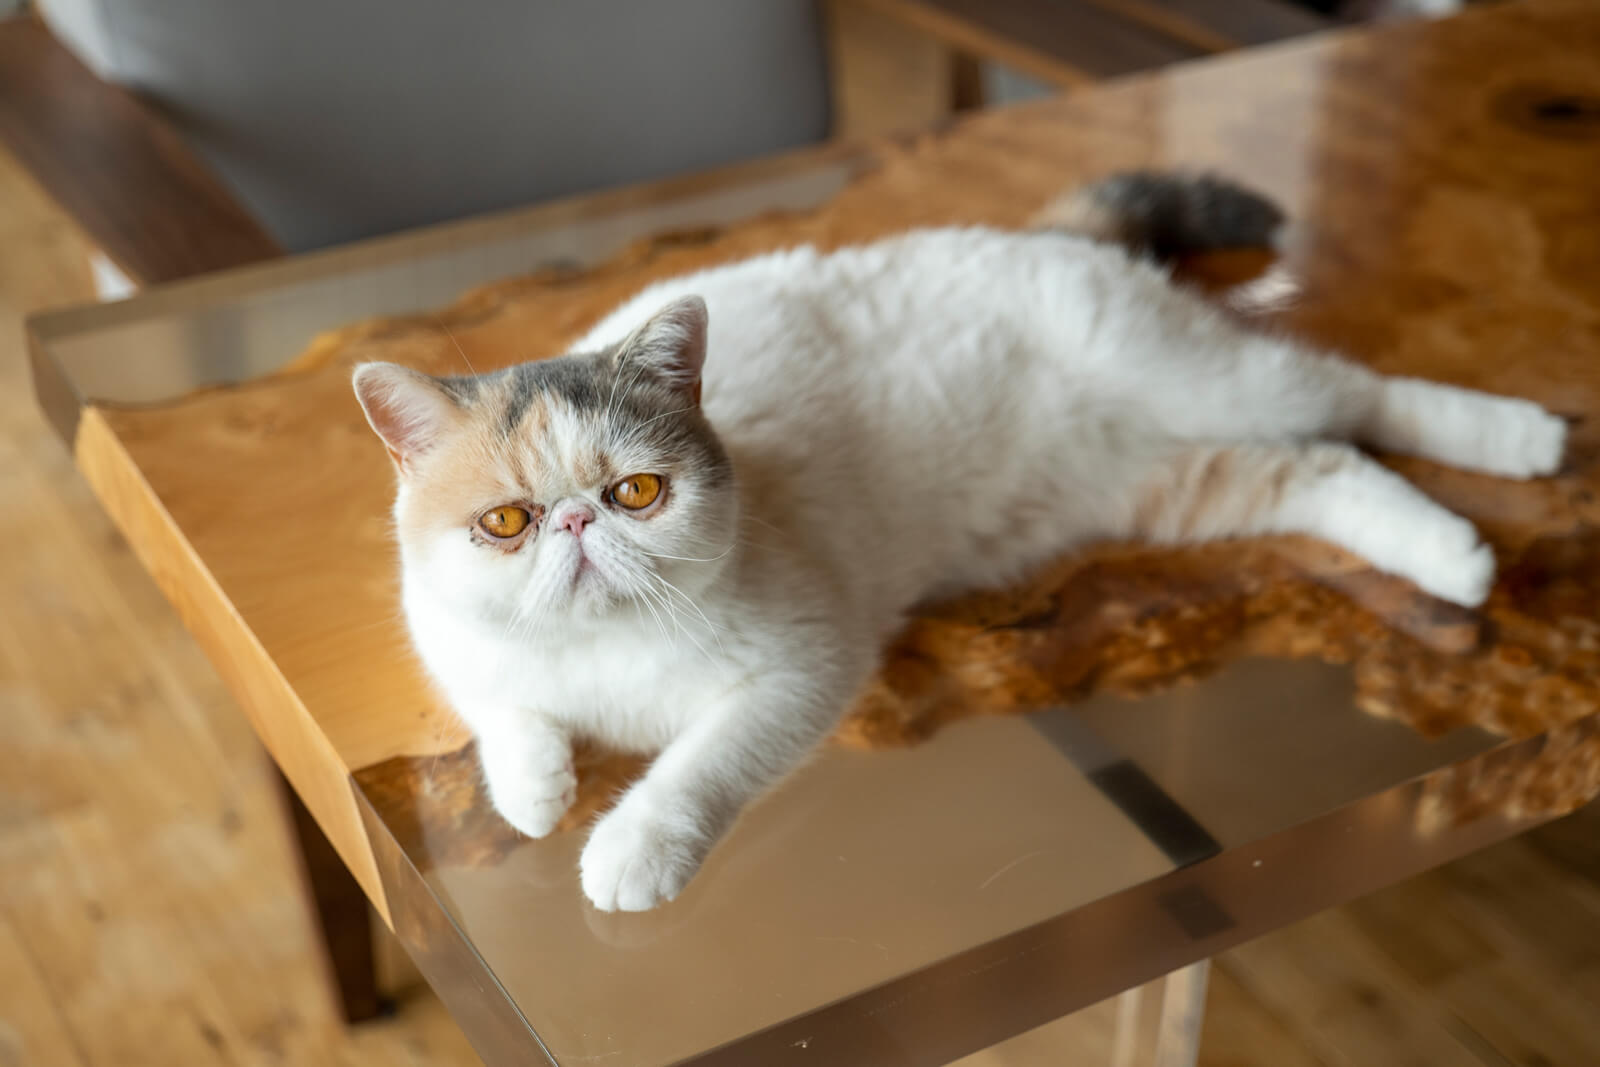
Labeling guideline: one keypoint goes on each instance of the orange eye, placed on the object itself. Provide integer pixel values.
(504, 522)
(637, 491)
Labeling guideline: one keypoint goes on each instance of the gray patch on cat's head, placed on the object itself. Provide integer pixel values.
(463, 389)
(605, 385)
(575, 380)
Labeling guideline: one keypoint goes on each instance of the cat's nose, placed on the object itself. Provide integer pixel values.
(574, 518)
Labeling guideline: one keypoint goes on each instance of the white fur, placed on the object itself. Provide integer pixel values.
(943, 410)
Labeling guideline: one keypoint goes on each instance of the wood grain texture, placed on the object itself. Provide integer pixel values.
(298, 746)
(116, 169)
(32, 1030)
(1391, 261)
(1488, 960)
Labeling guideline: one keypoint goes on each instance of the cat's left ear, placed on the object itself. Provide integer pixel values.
(672, 344)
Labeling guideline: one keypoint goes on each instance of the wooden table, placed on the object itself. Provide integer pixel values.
(910, 905)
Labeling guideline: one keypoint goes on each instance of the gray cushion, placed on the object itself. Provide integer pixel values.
(339, 119)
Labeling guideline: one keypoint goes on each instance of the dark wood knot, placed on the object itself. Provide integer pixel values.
(1562, 114)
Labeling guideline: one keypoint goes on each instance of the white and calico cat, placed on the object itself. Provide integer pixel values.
(693, 534)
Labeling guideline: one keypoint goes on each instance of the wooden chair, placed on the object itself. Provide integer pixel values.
(158, 213)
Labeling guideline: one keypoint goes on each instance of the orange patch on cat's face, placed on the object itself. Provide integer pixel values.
(473, 469)
(450, 488)
(482, 466)
(591, 469)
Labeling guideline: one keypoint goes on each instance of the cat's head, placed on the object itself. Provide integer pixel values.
(555, 492)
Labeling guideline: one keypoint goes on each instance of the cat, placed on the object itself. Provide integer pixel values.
(692, 535)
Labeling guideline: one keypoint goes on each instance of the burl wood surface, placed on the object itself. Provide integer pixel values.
(1441, 185)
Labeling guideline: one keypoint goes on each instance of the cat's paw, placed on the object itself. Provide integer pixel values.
(1452, 564)
(531, 781)
(638, 858)
(1520, 439)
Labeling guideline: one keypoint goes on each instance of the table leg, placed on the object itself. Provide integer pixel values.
(1158, 1024)
(1183, 1011)
(342, 915)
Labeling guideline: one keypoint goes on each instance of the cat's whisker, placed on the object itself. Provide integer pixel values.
(680, 628)
(696, 559)
(687, 599)
(658, 588)
(615, 379)
(525, 621)
(633, 382)
(533, 623)
(463, 352)
(610, 404)
(611, 399)
(638, 610)
(757, 520)
(665, 414)
(659, 624)
(443, 744)
(637, 431)
(519, 615)
(650, 589)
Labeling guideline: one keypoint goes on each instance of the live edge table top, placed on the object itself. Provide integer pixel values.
(1218, 741)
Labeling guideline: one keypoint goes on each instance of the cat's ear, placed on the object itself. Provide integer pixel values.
(409, 410)
(672, 343)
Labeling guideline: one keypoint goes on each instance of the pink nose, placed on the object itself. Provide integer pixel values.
(574, 519)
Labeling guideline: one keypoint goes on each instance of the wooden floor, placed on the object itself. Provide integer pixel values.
(149, 909)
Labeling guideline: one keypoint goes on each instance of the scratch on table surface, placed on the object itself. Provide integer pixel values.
(851, 941)
(987, 882)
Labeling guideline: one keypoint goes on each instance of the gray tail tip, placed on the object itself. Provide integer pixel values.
(1167, 214)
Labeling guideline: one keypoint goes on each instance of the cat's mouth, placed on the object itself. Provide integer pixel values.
(585, 571)
(592, 576)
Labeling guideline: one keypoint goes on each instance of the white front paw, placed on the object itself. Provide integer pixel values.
(638, 857)
(531, 780)
(1451, 563)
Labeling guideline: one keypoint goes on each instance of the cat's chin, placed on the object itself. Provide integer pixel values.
(593, 594)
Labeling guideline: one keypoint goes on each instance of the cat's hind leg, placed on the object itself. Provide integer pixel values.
(1499, 435)
(1202, 376)
(1203, 492)
(1214, 379)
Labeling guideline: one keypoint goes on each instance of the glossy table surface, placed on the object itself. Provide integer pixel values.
(1216, 741)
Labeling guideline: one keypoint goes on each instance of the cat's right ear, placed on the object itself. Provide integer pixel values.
(408, 409)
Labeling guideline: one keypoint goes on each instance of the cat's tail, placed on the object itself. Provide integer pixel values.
(1165, 215)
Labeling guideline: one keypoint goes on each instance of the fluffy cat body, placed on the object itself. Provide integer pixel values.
(873, 427)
